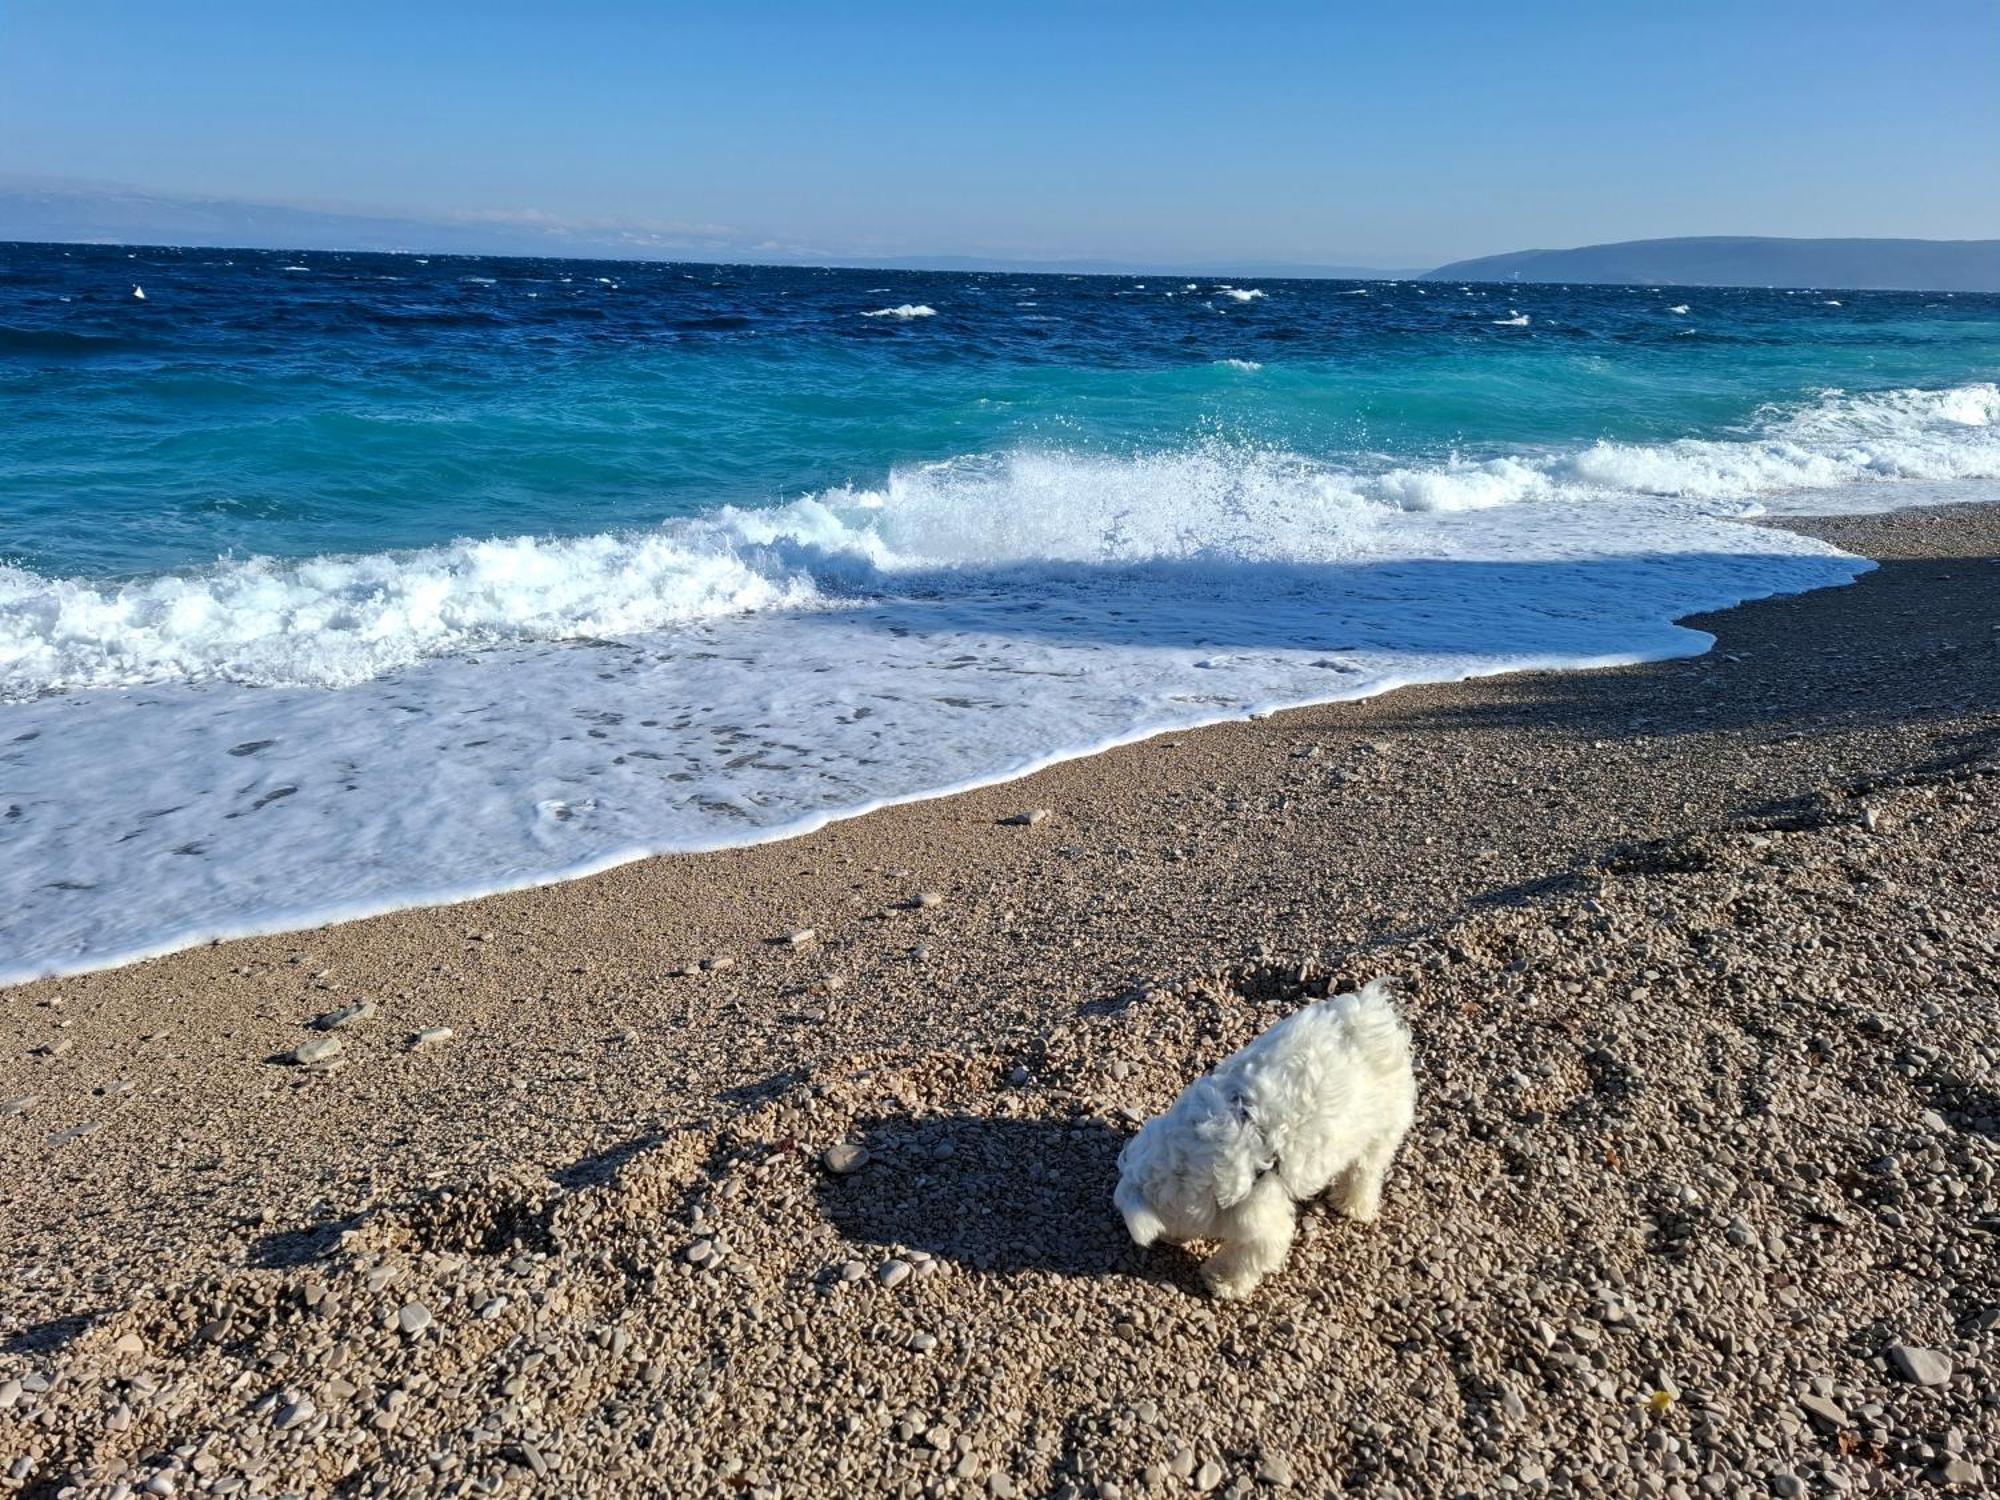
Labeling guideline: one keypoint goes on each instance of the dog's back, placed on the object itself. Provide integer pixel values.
(1327, 1080)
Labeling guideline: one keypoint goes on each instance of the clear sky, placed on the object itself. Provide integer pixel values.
(1398, 134)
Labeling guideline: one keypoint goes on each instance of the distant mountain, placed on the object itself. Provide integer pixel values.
(121, 216)
(1888, 265)
(68, 213)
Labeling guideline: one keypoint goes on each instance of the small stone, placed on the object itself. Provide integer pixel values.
(929, 899)
(57, 1048)
(414, 1318)
(1825, 1413)
(892, 1272)
(798, 937)
(700, 1253)
(10, 1392)
(1000, 1486)
(128, 1344)
(1957, 1470)
(719, 962)
(75, 1133)
(1275, 1470)
(1208, 1476)
(160, 1484)
(1028, 819)
(921, 1343)
(844, 1159)
(1787, 1486)
(431, 1036)
(320, 1049)
(293, 1413)
(20, 1104)
(347, 1015)
(1919, 1366)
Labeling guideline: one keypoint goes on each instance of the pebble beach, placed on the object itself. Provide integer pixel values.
(786, 1171)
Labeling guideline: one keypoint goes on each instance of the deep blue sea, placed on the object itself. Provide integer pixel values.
(331, 583)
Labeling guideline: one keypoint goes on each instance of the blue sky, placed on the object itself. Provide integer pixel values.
(1393, 134)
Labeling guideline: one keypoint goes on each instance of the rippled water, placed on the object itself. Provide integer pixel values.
(330, 583)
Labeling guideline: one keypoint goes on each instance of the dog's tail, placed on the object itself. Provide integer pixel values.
(1378, 1031)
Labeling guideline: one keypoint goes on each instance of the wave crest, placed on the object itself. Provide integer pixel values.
(1053, 516)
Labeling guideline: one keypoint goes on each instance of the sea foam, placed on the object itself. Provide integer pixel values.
(345, 735)
(333, 622)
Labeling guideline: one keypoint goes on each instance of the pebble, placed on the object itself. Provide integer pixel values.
(893, 1272)
(844, 1159)
(1826, 1414)
(76, 1133)
(431, 1036)
(347, 1015)
(1919, 1366)
(311, 1054)
(414, 1318)
(1028, 819)
(1275, 1470)
(928, 899)
(20, 1104)
(798, 937)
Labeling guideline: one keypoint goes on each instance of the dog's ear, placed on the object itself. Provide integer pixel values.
(1143, 1225)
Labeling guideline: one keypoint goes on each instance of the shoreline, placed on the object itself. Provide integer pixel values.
(1102, 955)
(311, 918)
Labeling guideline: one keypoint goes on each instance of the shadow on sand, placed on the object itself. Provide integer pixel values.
(998, 1195)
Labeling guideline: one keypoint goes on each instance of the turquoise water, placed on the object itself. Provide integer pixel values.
(373, 402)
(335, 583)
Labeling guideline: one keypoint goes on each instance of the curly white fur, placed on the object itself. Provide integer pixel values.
(1320, 1100)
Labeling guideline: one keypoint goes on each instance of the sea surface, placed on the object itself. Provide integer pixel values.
(333, 583)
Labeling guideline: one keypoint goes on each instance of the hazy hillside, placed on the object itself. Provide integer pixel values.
(1908, 265)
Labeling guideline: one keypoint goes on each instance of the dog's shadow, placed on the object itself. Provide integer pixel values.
(997, 1195)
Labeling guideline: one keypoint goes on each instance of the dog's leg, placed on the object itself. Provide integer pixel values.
(1359, 1194)
(1257, 1236)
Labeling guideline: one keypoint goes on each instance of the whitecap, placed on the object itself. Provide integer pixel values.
(904, 311)
(421, 726)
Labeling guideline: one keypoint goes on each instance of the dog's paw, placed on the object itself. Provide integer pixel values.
(1227, 1287)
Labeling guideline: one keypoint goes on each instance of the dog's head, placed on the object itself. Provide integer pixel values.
(1185, 1167)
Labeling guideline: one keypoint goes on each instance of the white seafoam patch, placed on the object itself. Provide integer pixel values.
(964, 623)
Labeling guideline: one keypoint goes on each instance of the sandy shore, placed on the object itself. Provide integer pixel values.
(1703, 959)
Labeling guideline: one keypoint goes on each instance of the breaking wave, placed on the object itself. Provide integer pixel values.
(1010, 519)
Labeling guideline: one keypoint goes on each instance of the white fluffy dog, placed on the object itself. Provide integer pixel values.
(1322, 1099)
